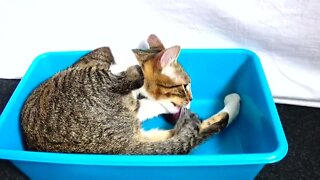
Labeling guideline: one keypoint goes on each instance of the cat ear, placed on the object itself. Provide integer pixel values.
(169, 56)
(154, 42)
(142, 55)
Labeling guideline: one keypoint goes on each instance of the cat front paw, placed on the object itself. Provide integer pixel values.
(187, 121)
(135, 74)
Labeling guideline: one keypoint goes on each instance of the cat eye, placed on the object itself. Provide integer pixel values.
(173, 86)
(168, 86)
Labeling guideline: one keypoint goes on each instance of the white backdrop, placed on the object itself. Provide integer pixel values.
(284, 34)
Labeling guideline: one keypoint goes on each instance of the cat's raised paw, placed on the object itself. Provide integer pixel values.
(135, 74)
(187, 120)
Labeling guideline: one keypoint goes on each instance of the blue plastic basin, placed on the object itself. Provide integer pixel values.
(256, 137)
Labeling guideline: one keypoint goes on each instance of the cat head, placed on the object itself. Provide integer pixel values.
(165, 79)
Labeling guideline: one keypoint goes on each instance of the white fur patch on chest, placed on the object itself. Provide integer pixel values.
(149, 109)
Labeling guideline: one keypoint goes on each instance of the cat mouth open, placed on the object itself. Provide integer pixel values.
(173, 117)
(176, 116)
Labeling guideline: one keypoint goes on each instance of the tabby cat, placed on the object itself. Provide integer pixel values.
(88, 109)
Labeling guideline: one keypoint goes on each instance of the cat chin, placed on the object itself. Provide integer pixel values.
(169, 107)
(173, 112)
(172, 109)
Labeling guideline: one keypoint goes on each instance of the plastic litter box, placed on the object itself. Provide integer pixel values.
(255, 139)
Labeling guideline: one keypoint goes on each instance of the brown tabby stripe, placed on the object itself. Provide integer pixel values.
(36, 123)
(54, 82)
(220, 122)
(98, 79)
(92, 80)
(27, 114)
(100, 76)
(62, 82)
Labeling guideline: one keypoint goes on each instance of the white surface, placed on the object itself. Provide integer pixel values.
(285, 34)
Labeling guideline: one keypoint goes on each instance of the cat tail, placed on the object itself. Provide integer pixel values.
(222, 119)
(99, 57)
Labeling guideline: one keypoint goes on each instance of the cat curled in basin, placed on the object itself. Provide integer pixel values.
(88, 109)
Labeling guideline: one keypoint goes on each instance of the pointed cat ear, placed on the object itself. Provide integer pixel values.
(154, 42)
(142, 55)
(169, 56)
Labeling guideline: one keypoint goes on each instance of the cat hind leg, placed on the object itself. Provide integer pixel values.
(224, 117)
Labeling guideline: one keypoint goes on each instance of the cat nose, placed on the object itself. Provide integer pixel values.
(189, 97)
(186, 102)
